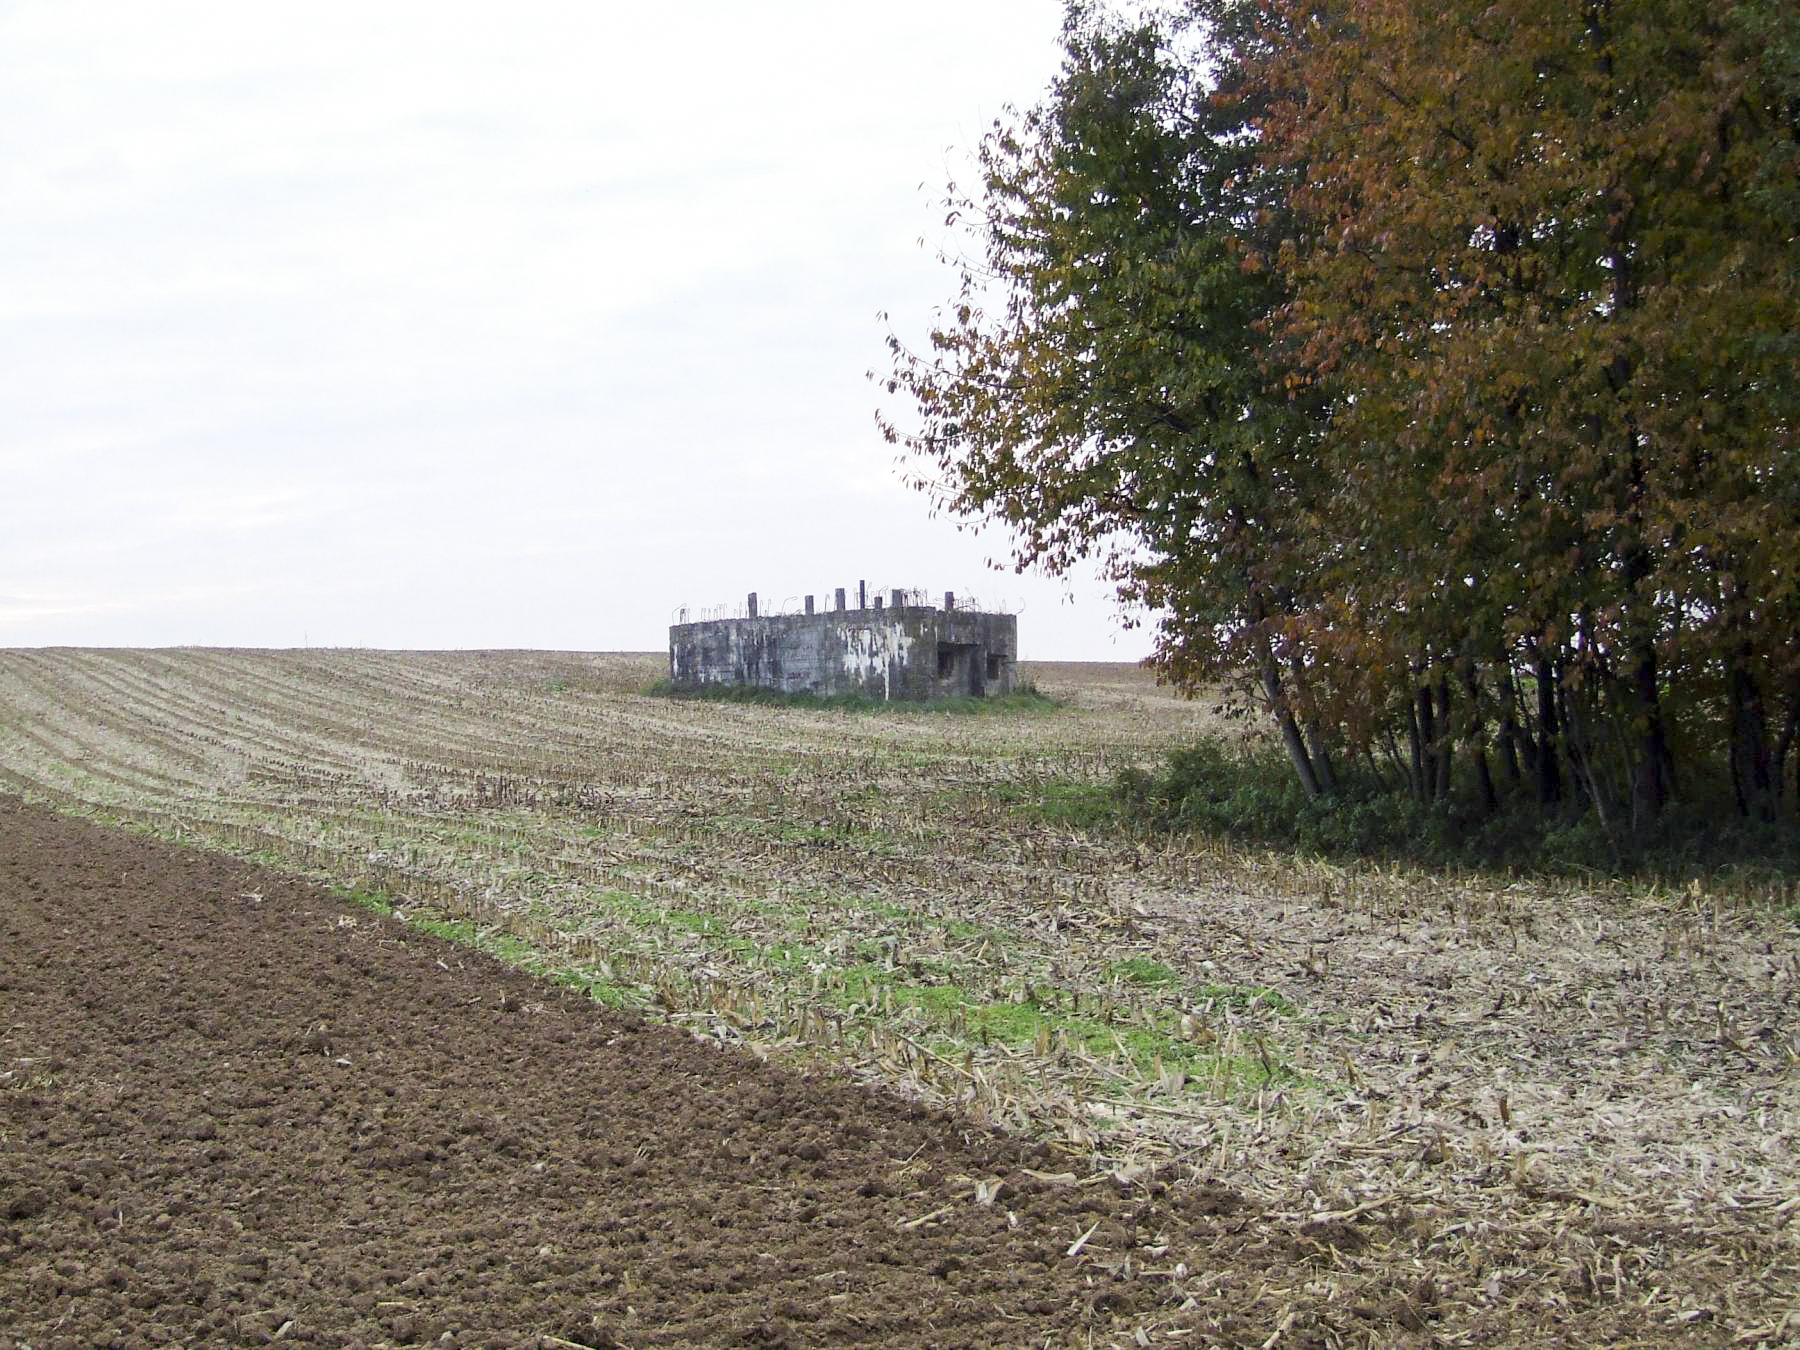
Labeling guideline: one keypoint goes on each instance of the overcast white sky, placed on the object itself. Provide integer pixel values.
(475, 325)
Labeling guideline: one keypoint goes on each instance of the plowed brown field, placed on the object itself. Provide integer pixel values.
(247, 1113)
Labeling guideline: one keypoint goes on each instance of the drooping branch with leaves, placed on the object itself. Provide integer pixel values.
(1098, 385)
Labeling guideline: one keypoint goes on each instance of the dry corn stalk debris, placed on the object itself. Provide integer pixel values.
(1597, 1086)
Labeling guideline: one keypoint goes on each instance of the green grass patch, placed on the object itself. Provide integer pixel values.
(956, 1022)
(376, 902)
(887, 980)
(1242, 998)
(502, 946)
(1083, 806)
(1142, 970)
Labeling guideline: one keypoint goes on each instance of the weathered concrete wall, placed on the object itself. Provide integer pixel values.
(908, 651)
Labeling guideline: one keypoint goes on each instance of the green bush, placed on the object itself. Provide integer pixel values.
(1253, 795)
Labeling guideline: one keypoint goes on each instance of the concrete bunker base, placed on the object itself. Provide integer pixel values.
(897, 651)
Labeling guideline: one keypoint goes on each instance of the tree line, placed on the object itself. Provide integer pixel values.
(1427, 369)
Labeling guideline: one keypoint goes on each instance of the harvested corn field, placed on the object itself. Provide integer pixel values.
(1321, 1105)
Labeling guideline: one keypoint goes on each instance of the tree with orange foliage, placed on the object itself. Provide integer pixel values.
(1432, 365)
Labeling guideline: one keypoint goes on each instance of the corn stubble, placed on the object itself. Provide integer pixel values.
(1528, 1085)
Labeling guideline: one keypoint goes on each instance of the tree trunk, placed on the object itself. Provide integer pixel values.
(1320, 753)
(1446, 741)
(1548, 776)
(1577, 749)
(1509, 725)
(1788, 735)
(1581, 765)
(1653, 771)
(1752, 765)
(1284, 717)
(1484, 778)
(1650, 780)
(1424, 740)
(1317, 750)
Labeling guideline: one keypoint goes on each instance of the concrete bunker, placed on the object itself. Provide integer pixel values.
(893, 646)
